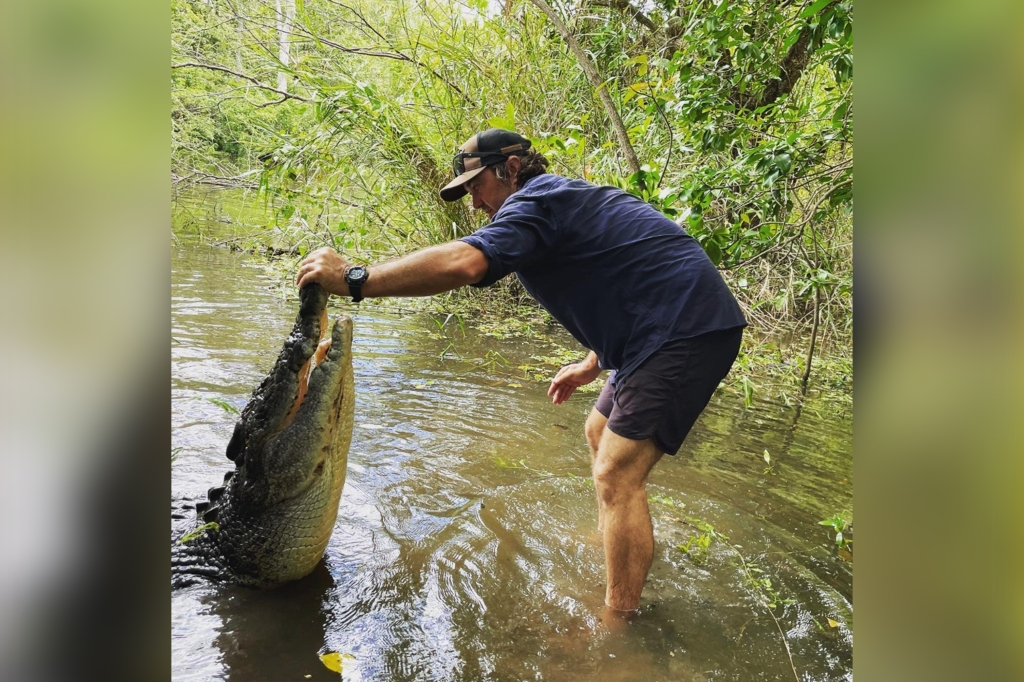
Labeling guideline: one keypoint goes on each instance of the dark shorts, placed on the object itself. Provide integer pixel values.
(663, 397)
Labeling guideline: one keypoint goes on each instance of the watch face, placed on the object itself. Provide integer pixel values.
(355, 273)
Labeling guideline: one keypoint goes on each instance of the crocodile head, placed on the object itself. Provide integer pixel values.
(272, 519)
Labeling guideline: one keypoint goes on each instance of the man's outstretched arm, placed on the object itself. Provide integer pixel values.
(433, 270)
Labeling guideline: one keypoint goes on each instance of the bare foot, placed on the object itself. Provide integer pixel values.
(616, 620)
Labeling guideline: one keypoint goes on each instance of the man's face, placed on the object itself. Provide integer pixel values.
(488, 192)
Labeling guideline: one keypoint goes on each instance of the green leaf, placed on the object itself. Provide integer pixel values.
(767, 458)
(714, 251)
(748, 392)
(813, 9)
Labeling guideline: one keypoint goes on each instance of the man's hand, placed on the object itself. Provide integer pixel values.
(571, 377)
(327, 268)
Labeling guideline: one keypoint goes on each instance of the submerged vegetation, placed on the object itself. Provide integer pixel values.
(734, 119)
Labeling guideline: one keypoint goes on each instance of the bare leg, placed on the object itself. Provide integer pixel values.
(621, 468)
(594, 429)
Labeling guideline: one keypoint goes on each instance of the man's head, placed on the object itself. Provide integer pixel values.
(488, 167)
(491, 147)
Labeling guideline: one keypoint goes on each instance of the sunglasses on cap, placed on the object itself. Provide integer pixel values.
(463, 161)
(475, 160)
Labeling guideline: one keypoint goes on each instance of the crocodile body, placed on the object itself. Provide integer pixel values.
(270, 521)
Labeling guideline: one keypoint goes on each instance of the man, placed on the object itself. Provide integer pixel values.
(626, 281)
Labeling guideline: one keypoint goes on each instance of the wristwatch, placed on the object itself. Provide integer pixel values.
(355, 278)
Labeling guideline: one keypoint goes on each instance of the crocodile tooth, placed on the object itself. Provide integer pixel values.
(214, 494)
(236, 445)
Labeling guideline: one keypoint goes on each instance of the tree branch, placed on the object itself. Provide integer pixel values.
(237, 74)
(626, 7)
(591, 71)
(790, 69)
(395, 54)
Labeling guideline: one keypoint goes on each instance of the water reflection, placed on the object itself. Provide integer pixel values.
(466, 544)
(275, 634)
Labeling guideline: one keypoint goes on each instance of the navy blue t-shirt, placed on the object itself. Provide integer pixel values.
(612, 269)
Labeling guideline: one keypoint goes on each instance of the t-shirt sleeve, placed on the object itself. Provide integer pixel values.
(520, 234)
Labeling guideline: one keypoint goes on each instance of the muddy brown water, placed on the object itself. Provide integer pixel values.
(450, 560)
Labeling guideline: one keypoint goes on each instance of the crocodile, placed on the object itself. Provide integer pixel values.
(270, 521)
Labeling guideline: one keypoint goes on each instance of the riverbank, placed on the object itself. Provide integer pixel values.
(772, 362)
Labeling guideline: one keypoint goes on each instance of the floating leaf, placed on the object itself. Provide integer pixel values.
(767, 458)
(333, 661)
(832, 623)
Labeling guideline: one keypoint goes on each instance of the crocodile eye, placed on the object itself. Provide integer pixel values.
(319, 469)
(237, 443)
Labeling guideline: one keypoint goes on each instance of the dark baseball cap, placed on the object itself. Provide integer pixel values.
(480, 151)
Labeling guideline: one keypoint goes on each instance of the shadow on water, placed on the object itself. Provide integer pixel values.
(273, 635)
(466, 544)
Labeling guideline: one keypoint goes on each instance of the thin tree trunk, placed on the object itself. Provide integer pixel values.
(285, 19)
(814, 337)
(238, 48)
(591, 71)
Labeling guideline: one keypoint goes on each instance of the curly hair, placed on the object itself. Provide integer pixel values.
(534, 164)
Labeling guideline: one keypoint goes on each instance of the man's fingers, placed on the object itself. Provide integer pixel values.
(303, 275)
(560, 394)
(556, 383)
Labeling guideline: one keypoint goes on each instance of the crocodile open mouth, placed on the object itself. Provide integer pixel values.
(306, 371)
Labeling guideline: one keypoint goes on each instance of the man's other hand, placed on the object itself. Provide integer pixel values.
(571, 377)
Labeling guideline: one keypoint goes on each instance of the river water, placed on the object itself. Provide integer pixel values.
(466, 545)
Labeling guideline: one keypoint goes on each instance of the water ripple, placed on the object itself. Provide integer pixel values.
(466, 545)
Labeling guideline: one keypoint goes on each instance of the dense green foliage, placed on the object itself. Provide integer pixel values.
(739, 116)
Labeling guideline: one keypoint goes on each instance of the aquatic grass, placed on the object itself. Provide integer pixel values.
(841, 527)
(696, 548)
(198, 531)
(224, 405)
